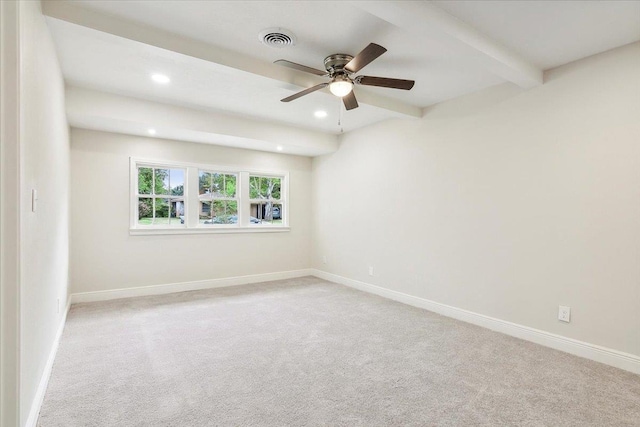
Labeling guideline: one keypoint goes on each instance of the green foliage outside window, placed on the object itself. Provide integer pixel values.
(217, 184)
(267, 189)
(154, 182)
(262, 187)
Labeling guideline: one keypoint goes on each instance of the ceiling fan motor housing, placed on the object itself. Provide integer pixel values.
(335, 63)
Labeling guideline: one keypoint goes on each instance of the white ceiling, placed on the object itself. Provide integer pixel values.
(102, 61)
(211, 51)
(552, 33)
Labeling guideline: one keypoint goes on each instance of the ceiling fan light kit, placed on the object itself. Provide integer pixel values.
(339, 68)
(341, 85)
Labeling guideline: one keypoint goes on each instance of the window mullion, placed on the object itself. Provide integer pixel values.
(242, 193)
(192, 197)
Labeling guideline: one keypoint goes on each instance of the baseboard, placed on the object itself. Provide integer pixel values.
(618, 359)
(185, 286)
(608, 356)
(32, 421)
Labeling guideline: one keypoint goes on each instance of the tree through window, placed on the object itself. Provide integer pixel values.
(265, 196)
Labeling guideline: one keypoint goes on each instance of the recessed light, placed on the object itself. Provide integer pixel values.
(160, 78)
(151, 131)
(320, 114)
(279, 148)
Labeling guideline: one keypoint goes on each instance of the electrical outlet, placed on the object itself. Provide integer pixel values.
(324, 259)
(564, 313)
(370, 270)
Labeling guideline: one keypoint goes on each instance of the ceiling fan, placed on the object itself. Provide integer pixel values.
(340, 68)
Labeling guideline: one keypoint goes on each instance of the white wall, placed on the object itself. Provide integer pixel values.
(9, 213)
(44, 234)
(505, 202)
(103, 254)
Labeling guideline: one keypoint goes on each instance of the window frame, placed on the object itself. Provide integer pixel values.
(279, 201)
(137, 196)
(225, 199)
(192, 196)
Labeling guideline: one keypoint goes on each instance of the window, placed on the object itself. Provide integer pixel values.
(160, 195)
(266, 205)
(217, 201)
(184, 198)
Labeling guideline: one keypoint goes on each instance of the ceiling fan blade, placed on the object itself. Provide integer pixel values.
(350, 101)
(384, 82)
(365, 57)
(300, 67)
(305, 92)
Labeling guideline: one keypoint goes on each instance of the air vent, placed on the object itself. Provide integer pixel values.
(277, 37)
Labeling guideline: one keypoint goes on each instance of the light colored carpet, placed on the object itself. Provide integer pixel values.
(308, 352)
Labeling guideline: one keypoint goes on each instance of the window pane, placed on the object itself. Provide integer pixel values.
(145, 211)
(167, 211)
(232, 208)
(266, 213)
(276, 184)
(161, 211)
(221, 212)
(176, 181)
(205, 182)
(162, 181)
(261, 187)
(176, 211)
(230, 186)
(205, 212)
(277, 213)
(145, 180)
(217, 185)
(254, 187)
(219, 208)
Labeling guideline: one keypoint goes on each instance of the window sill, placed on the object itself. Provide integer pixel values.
(207, 230)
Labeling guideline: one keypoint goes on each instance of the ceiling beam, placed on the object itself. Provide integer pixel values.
(91, 109)
(425, 20)
(66, 11)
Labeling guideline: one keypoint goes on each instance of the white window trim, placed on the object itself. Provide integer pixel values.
(135, 195)
(191, 198)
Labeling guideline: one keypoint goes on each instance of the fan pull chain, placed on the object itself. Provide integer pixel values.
(340, 116)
